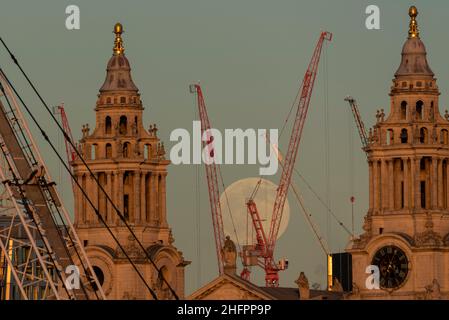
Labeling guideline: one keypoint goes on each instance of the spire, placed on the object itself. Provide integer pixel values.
(118, 43)
(414, 55)
(118, 72)
(413, 31)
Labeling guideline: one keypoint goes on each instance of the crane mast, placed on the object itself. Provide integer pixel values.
(358, 121)
(71, 153)
(270, 266)
(212, 171)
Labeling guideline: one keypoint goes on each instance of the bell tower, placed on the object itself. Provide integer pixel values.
(407, 225)
(129, 162)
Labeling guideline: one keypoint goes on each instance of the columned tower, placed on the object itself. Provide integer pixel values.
(407, 224)
(129, 162)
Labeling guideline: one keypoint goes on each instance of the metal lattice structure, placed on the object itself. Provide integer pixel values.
(358, 121)
(266, 242)
(39, 244)
(212, 176)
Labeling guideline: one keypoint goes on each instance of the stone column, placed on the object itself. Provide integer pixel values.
(417, 182)
(162, 202)
(109, 189)
(75, 200)
(447, 183)
(412, 179)
(83, 200)
(151, 196)
(90, 193)
(120, 195)
(371, 184)
(406, 183)
(137, 196)
(376, 184)
(434, 183)
(440, 183)
(391, 181)
(156, 205)
(384, 184)
(95, 199)
(143, 193)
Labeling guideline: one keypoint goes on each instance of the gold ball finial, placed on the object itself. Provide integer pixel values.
(118, 28)
(413, 31)
(118, 42)
(413, 12)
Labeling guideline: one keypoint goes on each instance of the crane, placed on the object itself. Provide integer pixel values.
(212, 171)
(70, 151)
(264, 249)
(358, 121)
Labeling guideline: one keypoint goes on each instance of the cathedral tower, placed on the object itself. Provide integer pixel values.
(407, 225)
(129, 162)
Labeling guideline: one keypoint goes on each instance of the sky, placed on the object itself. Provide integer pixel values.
(250, 56)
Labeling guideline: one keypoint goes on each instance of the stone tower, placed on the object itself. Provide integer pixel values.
(129, 162)
(407, 225)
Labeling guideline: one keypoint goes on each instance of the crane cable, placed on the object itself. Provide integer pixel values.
(326, 140)
(119, 214)
(197, 209)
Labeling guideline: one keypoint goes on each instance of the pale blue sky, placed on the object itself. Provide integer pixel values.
(250, 56)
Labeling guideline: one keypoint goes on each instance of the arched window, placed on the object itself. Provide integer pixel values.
(108, 125)
(403, 110)
(404, 136)
(108, 100)
(108, 151)
(443, 136)
(126, 147)
(100, 276)
(390, 137)
(423, 136)
(419, 109)
(122, 100)
(123, 125)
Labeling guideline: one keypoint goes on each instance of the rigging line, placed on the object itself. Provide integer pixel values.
(48, 194)
(43, 183)
(197, 208)
(322, 201)
(100, 217)
(326, 139)
(92, 175)
(351, 166)
(230, 212)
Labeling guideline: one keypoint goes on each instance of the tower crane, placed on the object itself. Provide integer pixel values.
(358, 121)
(212, 171)
(71, 153)
(264, 249)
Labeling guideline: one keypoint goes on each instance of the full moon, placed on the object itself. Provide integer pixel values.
(237, 194)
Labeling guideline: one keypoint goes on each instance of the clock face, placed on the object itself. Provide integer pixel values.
(393, 266)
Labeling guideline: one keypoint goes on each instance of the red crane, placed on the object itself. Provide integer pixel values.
(212, 171)
(71, 154)
(358, 121)
(265, 244)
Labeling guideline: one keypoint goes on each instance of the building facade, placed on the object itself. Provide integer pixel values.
(130, 165)
(406, 229)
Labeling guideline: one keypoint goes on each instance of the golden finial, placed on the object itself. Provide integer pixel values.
(118, 43)
(413, 32)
